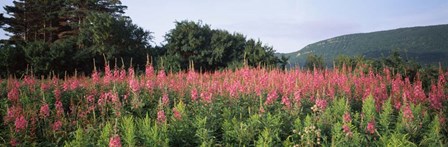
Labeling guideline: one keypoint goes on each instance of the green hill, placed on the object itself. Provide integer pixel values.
(426, 45)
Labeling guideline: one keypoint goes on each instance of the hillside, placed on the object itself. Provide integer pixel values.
(426, 45)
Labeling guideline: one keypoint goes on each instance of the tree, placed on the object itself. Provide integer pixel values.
(190, 41)
(105, 36)
(212, 49)
(314, 62)
(258, 55)
(12, 60)
(2, 20)
(283, 62)
(65, 35)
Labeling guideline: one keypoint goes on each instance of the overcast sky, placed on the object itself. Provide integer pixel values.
(287, 25)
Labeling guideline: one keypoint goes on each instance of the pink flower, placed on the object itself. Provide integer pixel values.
(66, 85)
(29, 80)
(272, 96)
(297, 96)
(165, 99)
(419, 94)
(149, 71)
(176, 114)
(74, 84)
(44, 111)
(57, 93)
(436, 96)
(12, 113)
(95, 76)
(116, 73)
(20, 123)
(286, 102)
(321, 103)
(161, 116)
(44, 86)
(107, 74)
(149, 84)
(115, 141)
(347, 130)
(90, 98)
(56, 125)
(161, 77)
(206, 97)
(59, 109)
(233, 89)
(13, 94)
(191, 76)
(122, 75)
(134, 85)
(397, 105)
(407, 113)
(13, 142)
(371, 127)
(194, 94)
(131, 72)
(347, 118)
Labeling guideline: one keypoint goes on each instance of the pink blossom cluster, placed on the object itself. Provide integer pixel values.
(115, 141)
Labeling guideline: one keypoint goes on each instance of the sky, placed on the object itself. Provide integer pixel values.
(287, 25)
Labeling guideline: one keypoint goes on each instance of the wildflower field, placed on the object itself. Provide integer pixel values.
(245, 107)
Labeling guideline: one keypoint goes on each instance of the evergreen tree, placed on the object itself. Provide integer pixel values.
(65, 35)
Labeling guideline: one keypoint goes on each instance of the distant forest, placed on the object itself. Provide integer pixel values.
(64, 36)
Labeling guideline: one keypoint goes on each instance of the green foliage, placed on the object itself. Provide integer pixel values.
(79, 139)
(64, 36)
(211, 49)
(311, 134)
(266, 138)
(270, 134)
(432, 136)
(283, 61)
(243, 132)
(153, 133)
(314, 62)
(105, 135)
(344, 60)
(385, 117)
(203, 133)
(104, 35)
(369, 110)
(12, 60)
(128, 129)
(340, 138)
(396, 139)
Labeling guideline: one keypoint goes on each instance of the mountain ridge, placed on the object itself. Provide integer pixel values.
(424, 44)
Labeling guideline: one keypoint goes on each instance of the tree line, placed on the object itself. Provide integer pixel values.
(68, 36)
(396, 63)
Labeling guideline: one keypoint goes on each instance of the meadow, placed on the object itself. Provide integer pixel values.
(243, 107)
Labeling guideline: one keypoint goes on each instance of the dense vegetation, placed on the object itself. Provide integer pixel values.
(425, 45)
(211, 49)
(246, 107)
(64, 36)
(80, 73)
